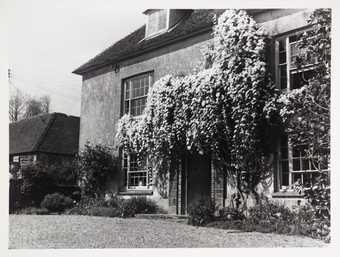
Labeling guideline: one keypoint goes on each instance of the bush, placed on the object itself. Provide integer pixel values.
(144, 205)
(34, 211)
(56, 202)
(115, 207)
(36, 184)
(270, 212)
(104, 212)
(229, 213)
(112, 200)
(127, 208)
(201, 212)
(96, 163)
(308, 223)
(40, 179)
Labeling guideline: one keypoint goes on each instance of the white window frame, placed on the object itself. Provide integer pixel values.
(128, 82)
(147, 34)
(127, 169)
(288, 87)
(288, 60)
(290, 159)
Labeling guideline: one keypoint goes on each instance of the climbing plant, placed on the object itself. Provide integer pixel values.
(305, 112)
(218, 112)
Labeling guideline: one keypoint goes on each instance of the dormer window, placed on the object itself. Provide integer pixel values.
(158, 21)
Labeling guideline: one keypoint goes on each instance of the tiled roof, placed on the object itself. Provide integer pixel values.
(50, 133)
(196, 21)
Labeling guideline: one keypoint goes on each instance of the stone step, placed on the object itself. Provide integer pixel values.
(167, 217)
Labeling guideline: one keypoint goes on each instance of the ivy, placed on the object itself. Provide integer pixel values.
(305, 113)
(218, 112)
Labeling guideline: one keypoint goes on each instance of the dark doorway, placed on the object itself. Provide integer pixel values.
(198, 179)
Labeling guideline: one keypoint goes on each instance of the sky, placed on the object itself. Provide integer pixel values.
(50, 39)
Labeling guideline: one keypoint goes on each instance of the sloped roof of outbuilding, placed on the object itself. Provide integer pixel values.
(55, 133)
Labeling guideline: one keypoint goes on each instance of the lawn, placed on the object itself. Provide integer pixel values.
(66, 231)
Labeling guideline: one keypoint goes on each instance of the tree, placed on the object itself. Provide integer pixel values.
(17, 104)
(45, 103)
(35, 106)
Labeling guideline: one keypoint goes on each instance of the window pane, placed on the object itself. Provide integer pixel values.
(296, 177)
(162, 20)
(138, 106)
(126, 107)
(137, 179)
(294, 38)
(283, 76)
(308, 178)
(157, 21)
(133, 162)
(137, 93)
(282, 45)
(285, 179)
(314, 163)
(296, 164)
(152, 23)
(305, 164)
(127, 90)
(296, 152)
(282, 57)
(323, 164)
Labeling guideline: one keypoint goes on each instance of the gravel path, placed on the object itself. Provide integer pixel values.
(53, 231)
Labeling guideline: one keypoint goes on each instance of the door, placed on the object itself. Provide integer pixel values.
(198, 179)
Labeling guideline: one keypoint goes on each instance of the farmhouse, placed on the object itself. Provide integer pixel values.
(116, 82)
(50, 138)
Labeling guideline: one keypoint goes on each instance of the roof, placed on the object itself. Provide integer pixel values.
(54, 133)
(196, 21)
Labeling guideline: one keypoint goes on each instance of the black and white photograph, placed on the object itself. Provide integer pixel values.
(133, 127)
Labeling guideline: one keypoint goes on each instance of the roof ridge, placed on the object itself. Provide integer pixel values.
(43, 135)
(135, 42)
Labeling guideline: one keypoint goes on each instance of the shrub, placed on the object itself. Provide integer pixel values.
(33, 210)
(36, 184)
(308, 223)
(201, 212)
(41, 178)
(271, 212)
(96, 163)
(112, 200)
(229, 213)
(144, 205)
(89, 202)
(56, 202)
(127, 208)
(104, 212)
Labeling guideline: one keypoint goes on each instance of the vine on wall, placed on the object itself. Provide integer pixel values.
(218, 112)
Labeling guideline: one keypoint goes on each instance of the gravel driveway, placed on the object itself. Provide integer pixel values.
(52, 231)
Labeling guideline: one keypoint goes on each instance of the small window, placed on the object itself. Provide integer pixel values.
(135, 93)
(157, 22)
(296, 167)
(294, 65)
(137, 174)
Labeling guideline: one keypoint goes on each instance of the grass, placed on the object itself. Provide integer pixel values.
(68, 231)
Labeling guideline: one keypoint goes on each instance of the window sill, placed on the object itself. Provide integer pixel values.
(136, 192)
(287, 195)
